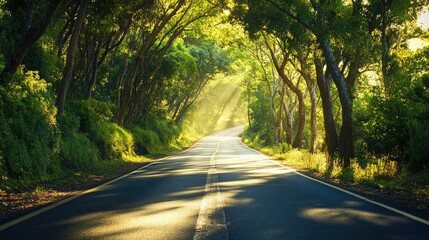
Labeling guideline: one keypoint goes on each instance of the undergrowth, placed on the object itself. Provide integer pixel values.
(37, 148)
(375, 172)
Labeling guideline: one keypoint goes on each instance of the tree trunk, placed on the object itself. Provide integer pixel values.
(68, 69)
(313, 120)
(384, 44)
(120, 80)
(331, 137)
(148, 43)
(311, 87)
(28, 39)
(345, 145)
(289, 122)
(289, 110)
(279, 123)
(297, 141)
(249, 119)
(280, 68)
(272, 90)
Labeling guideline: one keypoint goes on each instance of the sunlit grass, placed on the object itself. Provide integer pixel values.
(376, 172)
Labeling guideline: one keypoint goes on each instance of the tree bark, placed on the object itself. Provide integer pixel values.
(345, 145)
(279, 123)
(148, 43)
(68, 69)
(311, 87)
(331, 137)
(280, 68)
(313, 118)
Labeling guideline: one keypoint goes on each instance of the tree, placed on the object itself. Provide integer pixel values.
(323, 21)
(33, 20)
(280, 67)
(141, 82)
(68, 69)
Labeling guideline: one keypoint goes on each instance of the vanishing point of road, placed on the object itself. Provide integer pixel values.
(217, 189)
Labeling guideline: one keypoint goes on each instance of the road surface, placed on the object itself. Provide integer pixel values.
(218, 189)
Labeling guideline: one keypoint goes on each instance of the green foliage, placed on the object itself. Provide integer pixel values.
(115, 142)
(262, 126)
(29, 139)
(166, 130)
(146, 141)
(155, 134)
(286, 147)
(383, 126)
(393, 123)
(418, 147)
(91, 112)
(77, 151)
(41, 57)
(95, 118)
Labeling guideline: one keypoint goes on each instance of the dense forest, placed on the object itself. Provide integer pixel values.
(87, 83)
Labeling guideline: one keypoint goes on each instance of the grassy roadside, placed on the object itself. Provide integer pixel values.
(373, 174)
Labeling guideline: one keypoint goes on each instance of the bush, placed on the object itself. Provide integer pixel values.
(94, 119)
(262, 126)
(91, 112)
(114, 141)
(166, 130)
(77, 151)
(418, 147)
(146, 141)
(29, 141)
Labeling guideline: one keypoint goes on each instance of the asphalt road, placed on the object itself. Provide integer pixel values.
(218, 189)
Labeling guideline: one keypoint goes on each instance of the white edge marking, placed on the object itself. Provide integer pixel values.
(66, 200)
(405, 214)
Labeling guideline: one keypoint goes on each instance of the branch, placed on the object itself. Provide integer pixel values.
(291, 15)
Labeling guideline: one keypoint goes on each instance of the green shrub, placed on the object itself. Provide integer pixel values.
(114, 141)
(262, 126)
(166, 130)
(29, 141)
(90, 113)
(77, 151)
(418, 147)
(146, 141)
(94, 119)
(286, 147)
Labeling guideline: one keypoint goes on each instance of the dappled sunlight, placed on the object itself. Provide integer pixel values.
(218, 185)
(242, 183)
(190, 157)
(230, 197)
(347, 216)
(271, 171)
(155, 219)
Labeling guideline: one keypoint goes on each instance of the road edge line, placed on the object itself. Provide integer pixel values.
(400, 212)
(71, 198)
